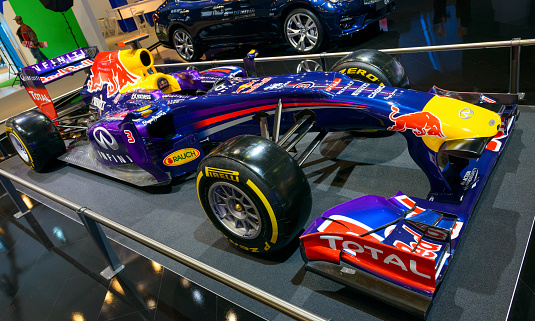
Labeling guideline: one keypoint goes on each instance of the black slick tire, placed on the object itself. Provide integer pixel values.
(373, 66)
(35, 138)
(254, 193)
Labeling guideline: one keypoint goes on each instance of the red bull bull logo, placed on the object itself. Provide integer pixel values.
(108, 69)
(422, 123)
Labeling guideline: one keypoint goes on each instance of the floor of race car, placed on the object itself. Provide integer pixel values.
(478, 285)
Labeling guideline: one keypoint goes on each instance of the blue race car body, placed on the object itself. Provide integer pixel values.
(145, 118)
(151, 127)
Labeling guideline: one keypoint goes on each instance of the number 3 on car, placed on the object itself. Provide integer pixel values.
(131, 138)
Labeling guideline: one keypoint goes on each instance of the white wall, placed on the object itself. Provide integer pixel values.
(99, 7)
(82, 10)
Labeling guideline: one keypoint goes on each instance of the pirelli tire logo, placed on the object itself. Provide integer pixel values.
(222, 173)
(362, 73)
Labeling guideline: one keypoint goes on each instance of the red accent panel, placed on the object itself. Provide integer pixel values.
(216, 119)
(211, 70)
(398, 266)
(210, 121)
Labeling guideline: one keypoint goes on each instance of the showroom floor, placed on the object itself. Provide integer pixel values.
(478, 286)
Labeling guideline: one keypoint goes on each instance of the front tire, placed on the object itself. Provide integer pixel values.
(254, 193)
(35, 138)
(185, 45)
(303, 31)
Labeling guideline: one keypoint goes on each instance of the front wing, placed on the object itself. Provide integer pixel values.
(398, 249)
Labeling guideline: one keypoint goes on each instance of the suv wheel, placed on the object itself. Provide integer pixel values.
(303, 31)
(184, 45)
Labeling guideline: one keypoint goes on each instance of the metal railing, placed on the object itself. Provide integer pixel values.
(514, 44)
(92, 222)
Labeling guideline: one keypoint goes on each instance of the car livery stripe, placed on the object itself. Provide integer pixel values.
(220, 118)
(212, 70)
(285, 102)
(234, 122)
(227, 108)
(324, 104)
(217, 119)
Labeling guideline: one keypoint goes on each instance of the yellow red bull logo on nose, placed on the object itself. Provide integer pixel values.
(422, 123)
(181, 156)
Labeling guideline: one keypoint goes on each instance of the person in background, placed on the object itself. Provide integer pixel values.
(26, 33)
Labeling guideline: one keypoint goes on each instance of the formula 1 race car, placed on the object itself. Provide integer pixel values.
(146, 127)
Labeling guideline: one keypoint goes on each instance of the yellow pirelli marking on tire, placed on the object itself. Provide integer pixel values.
(222, 173)
(199, 197)
(198, 194)
(10, 130)
(264, 200)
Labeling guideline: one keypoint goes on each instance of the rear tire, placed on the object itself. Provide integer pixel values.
(373, 66)
(254, 193)
(35, 138)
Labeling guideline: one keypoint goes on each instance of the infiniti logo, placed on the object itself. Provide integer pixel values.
(105, 139)
(466, 113)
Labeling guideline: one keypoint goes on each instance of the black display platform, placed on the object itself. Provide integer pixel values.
(478, 286)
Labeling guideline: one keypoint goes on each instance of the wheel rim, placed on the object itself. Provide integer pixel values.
(235, 210)
(184, 45)
(308, 65)
(19, 147)
(302, 32)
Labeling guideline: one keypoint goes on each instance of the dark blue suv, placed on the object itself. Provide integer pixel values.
(193, 26)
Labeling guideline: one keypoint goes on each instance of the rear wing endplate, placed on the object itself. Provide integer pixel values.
(35, 77)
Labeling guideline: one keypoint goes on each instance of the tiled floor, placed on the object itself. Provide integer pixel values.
(50, 271)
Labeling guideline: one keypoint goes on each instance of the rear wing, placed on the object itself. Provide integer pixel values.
(35, 77)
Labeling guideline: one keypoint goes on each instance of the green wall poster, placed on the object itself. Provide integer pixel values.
(50, 26)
